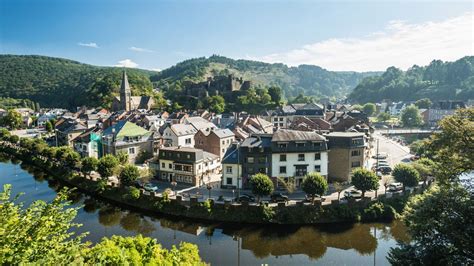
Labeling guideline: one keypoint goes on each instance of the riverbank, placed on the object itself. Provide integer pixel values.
(365, 210)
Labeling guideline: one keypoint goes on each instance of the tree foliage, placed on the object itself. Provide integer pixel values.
(411, 117)
(369, 109)
(129, 175)
(314, 185)
(364, 180)
(89, 164)
(383, 117)
(437, 81)
(107, 166)
(43, 234)
(406, 174)
(261, 185)
(424, 103)
(12, 120)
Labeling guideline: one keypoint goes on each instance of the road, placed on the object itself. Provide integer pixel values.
(396, 154)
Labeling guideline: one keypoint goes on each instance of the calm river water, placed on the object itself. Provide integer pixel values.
(219, 244)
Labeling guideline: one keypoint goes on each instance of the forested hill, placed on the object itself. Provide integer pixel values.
(437, 81)
(56, 82)
(308, 80)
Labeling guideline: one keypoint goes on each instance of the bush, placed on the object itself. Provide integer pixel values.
(134, 193)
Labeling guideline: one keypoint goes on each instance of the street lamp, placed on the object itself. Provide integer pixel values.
(209, 187)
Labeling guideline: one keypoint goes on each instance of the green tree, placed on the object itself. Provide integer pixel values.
(453, 148)
(122, 157)
(216, 104)
(369, 109)
(357, 107)
(424, 103)
(129, 175)
(364, 180)
(406, 174)
(440, 225)
(314, 185)
(107, 166)
(261, 185)
(13, 119)
(48, 126)
(411, 117)
(41, 233)
(383, 117)
(275, 94)
(425, 168)
(88, 164)
(338, 187)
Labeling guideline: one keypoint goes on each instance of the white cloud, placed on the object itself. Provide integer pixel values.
(400, 44)
(90, 44)
(156, 69)
(142, 50)
(127, 63)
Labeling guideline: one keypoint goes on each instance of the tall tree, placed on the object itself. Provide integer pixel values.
(314, 185)
(424, 103)
(406, 174)
(129, 175)
(411, 117)
(369, 109)
(364, 180)
(107, 166)
(275, 93)
(88, 164)
(261, 185)
(13, 119)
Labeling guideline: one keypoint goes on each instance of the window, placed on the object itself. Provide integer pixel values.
(275, 119)
(250, 160)
(281, 124)
(131, 150)
(229, 181)
(223, 150)
(282, 157)
(223, 142)
(187, 141)
(299, 144)
(282, 145)
(317, 168)
(262, 170)
(262, 159)
(282, 169)
(250, 170)
(163, 165)
(188, 156)
(281, 119)
(358, 142)
(300, 157)
(317, 156)
(355, 153)
(355, 164)
(275, 124)
(228, 169)
(317, 144)
(300, 170)
(170, 166)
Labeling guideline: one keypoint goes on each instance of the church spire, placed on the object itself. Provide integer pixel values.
(125, 93)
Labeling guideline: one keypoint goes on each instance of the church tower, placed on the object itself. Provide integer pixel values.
(125, 93)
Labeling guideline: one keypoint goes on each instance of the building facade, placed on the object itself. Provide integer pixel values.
(215, 141)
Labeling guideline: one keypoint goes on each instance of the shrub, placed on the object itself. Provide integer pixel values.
(134, 193)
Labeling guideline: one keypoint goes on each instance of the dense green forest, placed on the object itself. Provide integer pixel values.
(56, 82)
(437, 81)
(307, 80)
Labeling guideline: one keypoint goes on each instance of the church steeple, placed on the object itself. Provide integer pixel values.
(125, 93)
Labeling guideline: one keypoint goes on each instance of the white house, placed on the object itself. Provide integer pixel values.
(179, 135)
(232, 169)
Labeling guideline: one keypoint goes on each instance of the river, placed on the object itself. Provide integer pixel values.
(221, 244)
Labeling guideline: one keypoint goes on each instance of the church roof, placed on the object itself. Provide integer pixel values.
(124, 86)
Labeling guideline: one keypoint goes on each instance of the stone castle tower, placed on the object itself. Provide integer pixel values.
(125, 93)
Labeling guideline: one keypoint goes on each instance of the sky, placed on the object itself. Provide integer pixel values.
(337, 35)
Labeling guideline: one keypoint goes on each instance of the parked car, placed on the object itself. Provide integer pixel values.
(278, 197)
(385, 169)
(139, 184)
(245, 198)
(352, 194)
(150, 187)
(308, 198)
(380, 155)
(394, 187)
(379, 174)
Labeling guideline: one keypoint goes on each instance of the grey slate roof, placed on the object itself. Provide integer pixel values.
(223, 133)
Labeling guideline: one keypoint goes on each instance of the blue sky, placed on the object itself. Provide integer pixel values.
(350, 35)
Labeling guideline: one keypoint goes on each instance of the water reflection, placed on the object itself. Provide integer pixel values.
(256, 244)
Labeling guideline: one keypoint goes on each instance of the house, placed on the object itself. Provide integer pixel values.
(200, 123)
(256, 152)
(216, 141)
(285, 115)
(232, 168)
(441, 109)
(297, 153)
(153, 121)
(179, 135)
(43, 118)
(128, 138)
(67, 130)
(347, 151)
(310, 124)
(88, 144)
(310, 110)
(187, 165)
(127, 102)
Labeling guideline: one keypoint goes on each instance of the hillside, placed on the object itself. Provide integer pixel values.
(65, 83)
(304, 79)
(437, 81)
